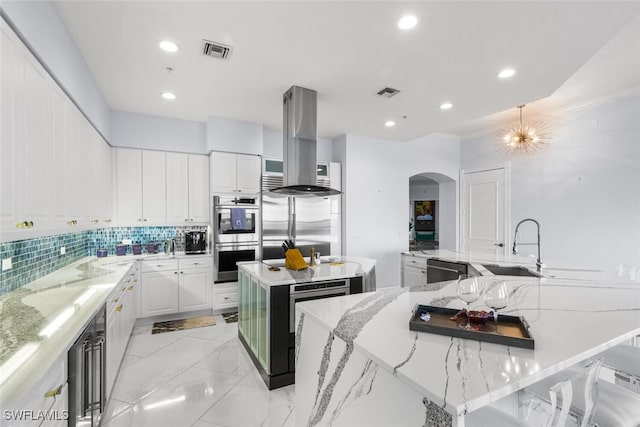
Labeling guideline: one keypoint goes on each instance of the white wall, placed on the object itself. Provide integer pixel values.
(584, 188)
(234, 136)
(42, 28)
(376, 176)
(158, 133)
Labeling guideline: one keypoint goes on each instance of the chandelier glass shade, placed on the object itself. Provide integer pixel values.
(525, 137)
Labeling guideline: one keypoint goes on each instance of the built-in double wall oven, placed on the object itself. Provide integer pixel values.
(236, 234)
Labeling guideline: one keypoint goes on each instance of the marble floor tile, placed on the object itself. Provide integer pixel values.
(200, 377)
(143, 344)
(143, 376)
(179, 402)
(229, 357)
(268, 408)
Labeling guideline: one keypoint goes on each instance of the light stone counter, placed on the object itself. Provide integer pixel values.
(41, 320)
(341, 268)
(357, 362)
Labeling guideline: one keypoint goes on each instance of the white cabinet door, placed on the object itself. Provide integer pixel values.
(248, 174)
(8, 165)
(34, 123)
(154, 187)
(159, 293)
(195, 290)
(104, 211)
(178, 187)
(60, 189)
(112, 349)
(129, 185)
(223, 173)
(414, 276)
(199, 198)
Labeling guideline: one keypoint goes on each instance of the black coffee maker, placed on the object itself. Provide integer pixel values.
(195, 242)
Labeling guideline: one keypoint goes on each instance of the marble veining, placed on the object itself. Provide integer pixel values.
(299, 336)
(361, 387)
(409, 356)
(436, 416)
(347, 329)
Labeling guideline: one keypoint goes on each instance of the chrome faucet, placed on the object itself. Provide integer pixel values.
(515, 243)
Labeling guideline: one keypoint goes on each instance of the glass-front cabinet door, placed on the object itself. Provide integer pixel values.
(253, 316)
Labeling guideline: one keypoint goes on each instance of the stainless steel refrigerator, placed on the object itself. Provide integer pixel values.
(308, 221)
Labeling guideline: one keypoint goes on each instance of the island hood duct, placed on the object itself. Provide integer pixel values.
(299, 131)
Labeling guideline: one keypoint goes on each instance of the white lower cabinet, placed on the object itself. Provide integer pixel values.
(194, 290)
(225, 295)
(159, 293)
(48, 395)
(175, 286)
(121, 316)
(414, 271)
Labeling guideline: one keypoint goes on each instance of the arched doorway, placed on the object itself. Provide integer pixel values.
(433, 213)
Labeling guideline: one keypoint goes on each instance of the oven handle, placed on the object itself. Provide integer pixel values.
(295, 295)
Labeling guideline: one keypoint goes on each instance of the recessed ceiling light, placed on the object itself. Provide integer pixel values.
(446, 106)
(407, 22)
(506, 73)
(168, 46)
(389, 123)
(168, 95)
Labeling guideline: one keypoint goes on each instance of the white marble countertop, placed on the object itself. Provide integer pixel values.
(551, 269)
(331, 267)
(570, 320)
(65, 300)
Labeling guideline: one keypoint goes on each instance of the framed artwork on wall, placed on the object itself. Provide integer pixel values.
(424, 215)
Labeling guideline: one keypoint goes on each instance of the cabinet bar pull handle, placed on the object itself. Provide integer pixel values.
(54, 392)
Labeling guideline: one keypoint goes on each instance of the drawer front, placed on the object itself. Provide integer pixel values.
(192, 263)
(415, 262)
(159, 265)
(226, 298)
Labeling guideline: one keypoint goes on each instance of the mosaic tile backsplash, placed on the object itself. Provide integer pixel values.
(34, 258)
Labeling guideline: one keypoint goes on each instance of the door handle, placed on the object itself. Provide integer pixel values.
(501, 245)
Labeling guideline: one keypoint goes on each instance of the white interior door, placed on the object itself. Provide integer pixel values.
(484, 202)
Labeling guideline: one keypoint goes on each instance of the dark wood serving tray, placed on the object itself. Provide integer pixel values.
(511, 330)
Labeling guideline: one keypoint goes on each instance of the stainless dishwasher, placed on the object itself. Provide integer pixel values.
(87, 391)
(314, 290)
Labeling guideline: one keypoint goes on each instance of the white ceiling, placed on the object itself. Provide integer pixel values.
(347, 51)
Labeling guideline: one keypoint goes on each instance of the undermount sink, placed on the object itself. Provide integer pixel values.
(510, 271)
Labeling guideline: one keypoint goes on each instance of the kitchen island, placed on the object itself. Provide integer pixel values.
(357, 362)
(267, 304)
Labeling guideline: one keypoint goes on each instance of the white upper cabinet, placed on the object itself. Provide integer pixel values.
(34, 142)
(141, 187)
(177, 187)
(129, 186)
(55, 167)
(199, 197)
(235, 173)
(8, 166)
(187, 188)
(154, 184)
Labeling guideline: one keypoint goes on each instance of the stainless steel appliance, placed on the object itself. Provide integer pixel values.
(308, 221)
(236, 234)
(195, 242)
(314, 290)
(300, 131)
(87, 369)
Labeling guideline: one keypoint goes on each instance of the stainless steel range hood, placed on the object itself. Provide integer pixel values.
(299, 131)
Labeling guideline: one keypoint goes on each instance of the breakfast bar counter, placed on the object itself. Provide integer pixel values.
(357, 362)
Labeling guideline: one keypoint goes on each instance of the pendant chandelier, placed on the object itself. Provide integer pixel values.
(525, 137)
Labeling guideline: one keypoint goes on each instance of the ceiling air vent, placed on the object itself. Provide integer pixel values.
(216, 50)
(388, 92)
